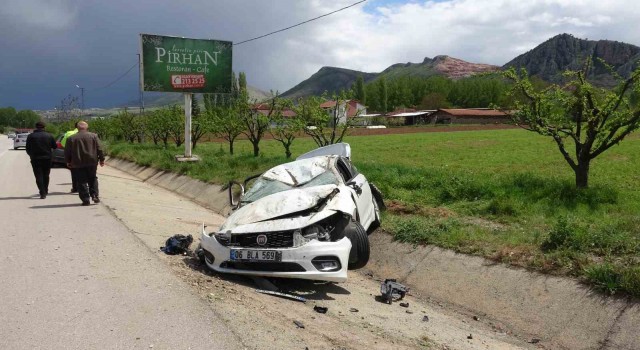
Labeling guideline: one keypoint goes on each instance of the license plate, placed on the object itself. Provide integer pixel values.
(255, 255)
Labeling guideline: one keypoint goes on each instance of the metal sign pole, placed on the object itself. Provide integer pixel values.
(187, 125)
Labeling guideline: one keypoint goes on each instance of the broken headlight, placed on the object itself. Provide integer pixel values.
(329, 229)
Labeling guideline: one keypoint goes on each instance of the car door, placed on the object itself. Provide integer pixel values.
(360, 191)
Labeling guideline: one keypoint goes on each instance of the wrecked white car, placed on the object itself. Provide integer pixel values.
(306, 219)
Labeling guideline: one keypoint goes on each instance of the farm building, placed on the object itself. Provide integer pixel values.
(469, 116)
(409, 116)
(265, 109)
(346, 109)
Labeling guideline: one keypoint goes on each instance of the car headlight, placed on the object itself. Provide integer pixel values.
(329, 229)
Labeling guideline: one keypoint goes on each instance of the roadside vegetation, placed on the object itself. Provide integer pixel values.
(505, 195)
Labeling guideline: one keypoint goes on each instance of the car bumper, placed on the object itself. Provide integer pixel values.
(295, 262)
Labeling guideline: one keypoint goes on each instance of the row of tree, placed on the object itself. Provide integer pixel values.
(10, 118)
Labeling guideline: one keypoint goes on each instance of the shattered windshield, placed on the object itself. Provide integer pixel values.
(286, 177)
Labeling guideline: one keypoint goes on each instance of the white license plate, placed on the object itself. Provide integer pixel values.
(255, 255)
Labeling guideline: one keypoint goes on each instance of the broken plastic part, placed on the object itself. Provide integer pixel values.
(392, 290)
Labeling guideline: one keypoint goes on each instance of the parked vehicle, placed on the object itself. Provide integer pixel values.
(57, 156)
(20, 141)
(11, 135)
(307, 219)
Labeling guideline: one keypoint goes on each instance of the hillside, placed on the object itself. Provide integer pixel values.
(330, 79)
(334, 79)
(549, 59)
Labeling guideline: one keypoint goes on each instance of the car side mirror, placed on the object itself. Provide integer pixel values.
(355, 187)
(236, 191)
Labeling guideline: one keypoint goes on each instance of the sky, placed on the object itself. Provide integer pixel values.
(47, 47)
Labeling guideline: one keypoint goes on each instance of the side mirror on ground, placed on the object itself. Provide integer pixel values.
(236, 191)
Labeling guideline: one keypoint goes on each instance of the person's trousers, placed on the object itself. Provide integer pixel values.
(87, 182)
(41, 170)
(74, 180)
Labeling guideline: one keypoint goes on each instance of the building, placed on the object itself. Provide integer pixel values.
(346, 109)
(409, 116)
(469, 116)
(265, 109)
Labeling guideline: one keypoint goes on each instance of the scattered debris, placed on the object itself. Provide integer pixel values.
(409, 311)
(390, 290)
(404, 304)
(283, 295)
(470, 336)
(178, 244)
(476, 318)
(353, 309)
(320, 309)
(534, 341)
(425, 318)
(199, 254)
(265, 284)
(298, 324)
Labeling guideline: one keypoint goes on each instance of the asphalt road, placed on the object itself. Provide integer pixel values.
(75, 277)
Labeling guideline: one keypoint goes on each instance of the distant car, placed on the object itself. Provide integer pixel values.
(57, 156)
(305, 219)
(11, 135)
(20, 141)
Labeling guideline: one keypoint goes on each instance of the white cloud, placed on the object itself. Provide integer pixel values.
(43, 14)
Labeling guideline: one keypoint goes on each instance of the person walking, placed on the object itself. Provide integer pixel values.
(63, 142)
(83, 153)
(39, 146)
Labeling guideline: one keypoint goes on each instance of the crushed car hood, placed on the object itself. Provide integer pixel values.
(278, 205)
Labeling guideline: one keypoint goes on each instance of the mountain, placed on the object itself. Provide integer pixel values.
(160, 99)
(332, 79)
(549, 59)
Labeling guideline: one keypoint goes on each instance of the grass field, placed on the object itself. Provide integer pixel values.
(504, 194)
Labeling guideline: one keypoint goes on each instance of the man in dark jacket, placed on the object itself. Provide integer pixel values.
(39, 145)
(83, 154)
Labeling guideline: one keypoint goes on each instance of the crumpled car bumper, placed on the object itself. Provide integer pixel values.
(295, 262)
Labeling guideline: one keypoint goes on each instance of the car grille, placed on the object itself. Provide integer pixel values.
(263, 266)
(281, 239)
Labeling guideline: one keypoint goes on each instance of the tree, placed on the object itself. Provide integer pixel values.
(593, 119)
(176, 124)
(384, 97)
(360, 93)
(201, 124)
(226, 124)
(286, 128)
(242, 82)
(255, 123)
(325, 127)
(125, 126)
(158, 125)
(434, 100)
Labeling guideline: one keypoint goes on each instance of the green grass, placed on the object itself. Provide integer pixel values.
(505, 194)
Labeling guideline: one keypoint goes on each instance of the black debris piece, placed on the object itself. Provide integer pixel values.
(425, 318)
(470, 336)
(353, 309)
(476, 318)
(534, 341)
(409, 311)
(404, 304)
(320, 309)
(298, 324)
(282, 295)
(178, 244)
(392, 290)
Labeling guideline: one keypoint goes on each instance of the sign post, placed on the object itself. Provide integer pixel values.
(188, 66)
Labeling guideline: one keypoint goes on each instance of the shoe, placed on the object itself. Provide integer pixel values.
(96, 199)
(43, 196)
(85, 203)
(74, 190)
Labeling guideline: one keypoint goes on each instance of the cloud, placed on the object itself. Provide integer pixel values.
(43, 14)
(49, 46)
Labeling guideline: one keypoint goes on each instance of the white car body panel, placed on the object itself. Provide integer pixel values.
(338, 149)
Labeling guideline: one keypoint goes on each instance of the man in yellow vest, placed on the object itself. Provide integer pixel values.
(63, 142)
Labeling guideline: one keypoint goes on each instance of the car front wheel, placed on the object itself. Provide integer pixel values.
(359, 254)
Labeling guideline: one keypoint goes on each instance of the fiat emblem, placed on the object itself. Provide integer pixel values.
(261, 239)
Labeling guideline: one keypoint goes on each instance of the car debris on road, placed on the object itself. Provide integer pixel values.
(391, 290)
(282, 295)
(177, 244)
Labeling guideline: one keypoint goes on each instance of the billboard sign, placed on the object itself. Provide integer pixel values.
(172, 64)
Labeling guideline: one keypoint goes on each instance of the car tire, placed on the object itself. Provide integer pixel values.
(360, 250)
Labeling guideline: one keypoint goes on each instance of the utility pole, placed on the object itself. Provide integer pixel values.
(139, 83)
(81, 100)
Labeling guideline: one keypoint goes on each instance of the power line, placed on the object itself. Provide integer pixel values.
(299, 24)
(115, 81)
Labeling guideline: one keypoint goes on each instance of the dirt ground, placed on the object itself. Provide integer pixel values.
(355, 318)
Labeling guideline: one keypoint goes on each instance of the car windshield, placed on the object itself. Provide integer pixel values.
(299, 174)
